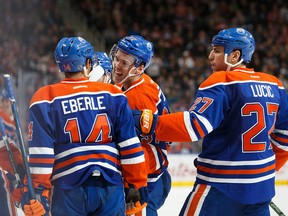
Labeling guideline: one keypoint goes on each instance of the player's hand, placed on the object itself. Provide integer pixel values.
(136, 199)
(145, 121)
(133, 208)
(37, 207)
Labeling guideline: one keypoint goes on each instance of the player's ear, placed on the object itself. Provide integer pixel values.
(235, 56)
(140, 69)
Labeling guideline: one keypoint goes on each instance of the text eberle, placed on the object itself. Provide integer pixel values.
(82, 104)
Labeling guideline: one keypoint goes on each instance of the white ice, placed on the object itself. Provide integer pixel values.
(177, 196)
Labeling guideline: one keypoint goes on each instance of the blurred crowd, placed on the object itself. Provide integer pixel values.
(28, 34)
(181, 31)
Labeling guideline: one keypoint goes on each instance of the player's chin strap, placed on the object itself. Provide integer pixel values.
(130, 74)
(86, 73)
(229, 64)
(107, 79)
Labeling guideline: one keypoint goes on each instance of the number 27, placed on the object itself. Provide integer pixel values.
(247, 137)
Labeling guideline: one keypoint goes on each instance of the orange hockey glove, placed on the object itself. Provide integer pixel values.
(34, 209)
(145, 121)
(133, 208)
(38, 206)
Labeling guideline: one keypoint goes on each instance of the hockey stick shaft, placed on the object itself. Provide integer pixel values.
(276, 209)
(9, 151)
(10, 91)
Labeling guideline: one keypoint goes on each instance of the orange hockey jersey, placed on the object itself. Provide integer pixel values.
(146, 94)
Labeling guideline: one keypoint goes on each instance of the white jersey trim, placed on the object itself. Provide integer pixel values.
(236, 163)
(187, 122)
(129, 142)
(285, 148)
(134, 160)
(204, 121)
(86, 148)
(79, 167)
(236, 180)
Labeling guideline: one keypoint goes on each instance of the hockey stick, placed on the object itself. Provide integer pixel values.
(11, 157)
(276, 209)
(10, 91)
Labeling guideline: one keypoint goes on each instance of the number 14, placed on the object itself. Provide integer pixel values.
(100, 131)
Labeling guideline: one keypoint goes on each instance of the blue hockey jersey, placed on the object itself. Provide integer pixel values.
(243, 117)
(77, 127)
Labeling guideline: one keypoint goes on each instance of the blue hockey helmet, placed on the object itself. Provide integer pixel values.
(71, 54)
(103, 60)
(236, 39)
(136, 46)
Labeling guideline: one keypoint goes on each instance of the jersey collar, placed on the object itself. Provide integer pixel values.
(245, 70)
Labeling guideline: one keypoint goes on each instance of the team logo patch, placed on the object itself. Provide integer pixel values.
(67, 67)
(81, 40)
(240, 31)
(149, 46)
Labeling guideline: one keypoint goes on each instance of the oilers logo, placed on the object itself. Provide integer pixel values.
(149, 46)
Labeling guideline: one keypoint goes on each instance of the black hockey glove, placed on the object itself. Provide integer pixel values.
(136, 200)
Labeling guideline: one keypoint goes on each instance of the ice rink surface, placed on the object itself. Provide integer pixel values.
(177, 196)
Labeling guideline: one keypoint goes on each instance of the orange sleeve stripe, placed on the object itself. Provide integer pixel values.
(281, 139)
(84, 158)
(198, 127)
(42, 160)
(239, 172)
(131, 151)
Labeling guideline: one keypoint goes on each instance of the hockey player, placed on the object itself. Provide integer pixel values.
(131, 56)
(82, 141)
(10, 189)
(6, 202)
(102, 69)
(243, 117)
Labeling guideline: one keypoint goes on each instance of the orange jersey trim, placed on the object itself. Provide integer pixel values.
(239, 172)
(238, 75)
(172, 122)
